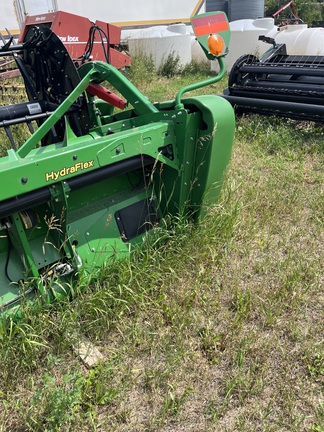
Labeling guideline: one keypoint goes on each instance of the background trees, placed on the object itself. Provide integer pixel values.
(309, 11)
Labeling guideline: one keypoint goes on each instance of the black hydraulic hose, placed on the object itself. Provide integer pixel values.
(89, 47)
(8, 258)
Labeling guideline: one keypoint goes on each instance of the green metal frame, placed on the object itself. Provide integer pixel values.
(169, 156)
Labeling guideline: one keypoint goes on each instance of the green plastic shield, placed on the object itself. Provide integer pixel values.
(211, 23)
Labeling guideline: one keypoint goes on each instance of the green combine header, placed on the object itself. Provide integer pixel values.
(99, 170)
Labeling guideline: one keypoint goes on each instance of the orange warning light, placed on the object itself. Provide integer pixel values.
(216, 44)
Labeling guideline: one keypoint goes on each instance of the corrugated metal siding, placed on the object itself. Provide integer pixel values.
(244, 9)
(237, 9)
(216, 5)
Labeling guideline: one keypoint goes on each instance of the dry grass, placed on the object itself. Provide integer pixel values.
(220, 328)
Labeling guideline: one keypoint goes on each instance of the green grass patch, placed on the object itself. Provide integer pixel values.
(216, 327)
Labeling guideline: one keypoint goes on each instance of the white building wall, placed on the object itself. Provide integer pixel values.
(121, 12)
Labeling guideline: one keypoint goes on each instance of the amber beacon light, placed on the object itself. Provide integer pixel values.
(216, 44)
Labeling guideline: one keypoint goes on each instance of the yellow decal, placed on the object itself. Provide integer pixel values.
(56, 175)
